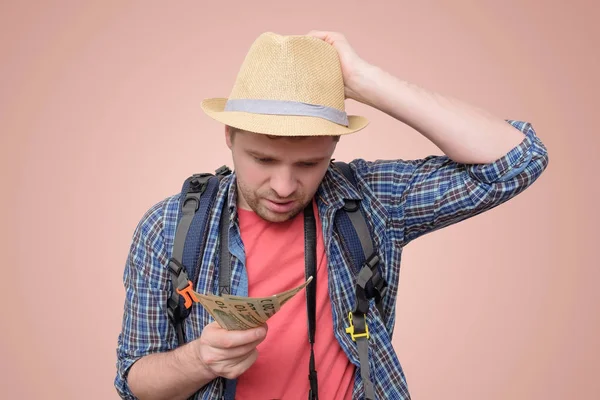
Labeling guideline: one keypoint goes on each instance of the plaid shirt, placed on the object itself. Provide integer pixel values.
(402, 199)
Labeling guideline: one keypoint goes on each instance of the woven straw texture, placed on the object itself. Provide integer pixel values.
(293, 68)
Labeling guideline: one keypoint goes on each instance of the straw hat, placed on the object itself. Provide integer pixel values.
(287, 86)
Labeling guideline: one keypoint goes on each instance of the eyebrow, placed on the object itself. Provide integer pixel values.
(259, 154)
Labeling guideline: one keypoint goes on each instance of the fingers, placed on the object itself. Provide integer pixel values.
(229, 353)
(234, 368)
(234, 352)
(317, 34)
(327, 36)
(217, 337)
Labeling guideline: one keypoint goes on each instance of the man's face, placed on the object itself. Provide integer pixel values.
(277, 176)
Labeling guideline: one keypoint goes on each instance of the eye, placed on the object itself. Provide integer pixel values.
(308, 164)
(263, 160)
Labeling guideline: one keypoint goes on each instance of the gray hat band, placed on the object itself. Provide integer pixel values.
(283, 107)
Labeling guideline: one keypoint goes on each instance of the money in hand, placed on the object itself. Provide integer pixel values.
(241, 313)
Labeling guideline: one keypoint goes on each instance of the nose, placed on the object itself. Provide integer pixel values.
(283, 182)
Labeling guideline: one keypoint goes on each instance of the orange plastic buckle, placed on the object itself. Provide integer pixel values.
(188, 294)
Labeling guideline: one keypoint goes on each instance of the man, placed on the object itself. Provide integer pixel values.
(282, 122)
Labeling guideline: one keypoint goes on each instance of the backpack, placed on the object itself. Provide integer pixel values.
(198, 195)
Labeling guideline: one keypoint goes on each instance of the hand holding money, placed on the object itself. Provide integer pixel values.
(242, 313)
(228, 353)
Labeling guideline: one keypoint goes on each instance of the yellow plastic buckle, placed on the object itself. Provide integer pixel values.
(350, 329)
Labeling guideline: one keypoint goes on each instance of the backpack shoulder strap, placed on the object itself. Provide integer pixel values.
(347, 171)
(198, 194)
(358, 241)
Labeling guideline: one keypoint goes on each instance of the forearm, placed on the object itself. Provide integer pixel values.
(464, 133)
(175, 374)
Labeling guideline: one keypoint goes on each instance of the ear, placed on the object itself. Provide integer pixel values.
(228, 138)
(335, 143)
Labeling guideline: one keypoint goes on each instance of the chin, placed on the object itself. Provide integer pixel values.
(271, 216)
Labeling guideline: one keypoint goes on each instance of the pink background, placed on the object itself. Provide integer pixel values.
(100, 119)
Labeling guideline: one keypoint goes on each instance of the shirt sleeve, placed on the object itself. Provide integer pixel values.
(145, 328)
(424, 195)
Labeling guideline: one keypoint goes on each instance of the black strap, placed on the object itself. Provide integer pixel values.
(229, 385)
(362, 344)
(310, 261)
(225, 260)
(179, 278)
(359, 330)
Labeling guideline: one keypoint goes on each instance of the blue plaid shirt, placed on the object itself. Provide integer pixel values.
(402, 200)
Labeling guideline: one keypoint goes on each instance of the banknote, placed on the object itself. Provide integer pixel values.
(283, 298)
(240, 313)
(227, 317)
(248, 309)
(268, 306)
(265, 307)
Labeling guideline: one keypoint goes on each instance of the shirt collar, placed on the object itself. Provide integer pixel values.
(232, 192)
(335, 188)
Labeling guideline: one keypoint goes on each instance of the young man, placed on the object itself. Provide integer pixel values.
(282, 122)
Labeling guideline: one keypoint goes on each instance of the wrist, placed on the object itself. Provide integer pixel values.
(365, 83)
(189, 357)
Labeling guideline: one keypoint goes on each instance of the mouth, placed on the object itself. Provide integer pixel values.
(280, 206)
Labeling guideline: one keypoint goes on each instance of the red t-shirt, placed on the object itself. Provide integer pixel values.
(275, 263)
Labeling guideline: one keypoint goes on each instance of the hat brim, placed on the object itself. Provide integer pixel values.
(280, 125)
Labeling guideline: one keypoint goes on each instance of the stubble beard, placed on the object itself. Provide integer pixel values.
(254, 202)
